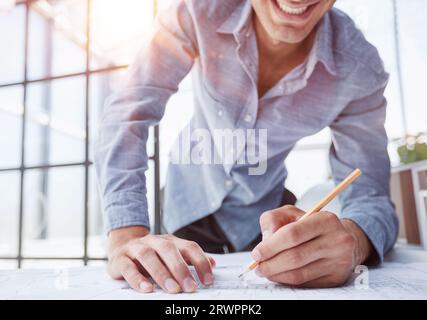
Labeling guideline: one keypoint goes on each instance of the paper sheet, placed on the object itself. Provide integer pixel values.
(391, 281)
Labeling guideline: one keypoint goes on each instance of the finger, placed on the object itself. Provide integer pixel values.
(113, 269)
(133, 277)
(176, 264)
(298, 277)
(294, 234)
(212, 261)
(194, 255)
(270, 221)
(151, 262)
(297, 257)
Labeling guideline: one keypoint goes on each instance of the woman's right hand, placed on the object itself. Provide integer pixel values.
(136, 256)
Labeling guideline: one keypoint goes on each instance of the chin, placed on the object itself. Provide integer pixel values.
(291, 36)
(293, 21)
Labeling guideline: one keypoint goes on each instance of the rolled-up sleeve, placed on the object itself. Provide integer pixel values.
(360, 141)
(120, 151)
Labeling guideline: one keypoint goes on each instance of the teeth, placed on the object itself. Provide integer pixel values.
(285, 8)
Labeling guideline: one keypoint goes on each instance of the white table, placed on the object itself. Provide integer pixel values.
(402, 276)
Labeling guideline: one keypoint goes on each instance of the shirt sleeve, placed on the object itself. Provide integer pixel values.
(359, 140)
(120, 151)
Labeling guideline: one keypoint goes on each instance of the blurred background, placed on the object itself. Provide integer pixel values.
(60, 59)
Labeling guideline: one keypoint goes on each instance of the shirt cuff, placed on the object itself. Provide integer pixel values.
(125, 209)
(374, 229)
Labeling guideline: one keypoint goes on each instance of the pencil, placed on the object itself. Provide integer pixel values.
(340, 187)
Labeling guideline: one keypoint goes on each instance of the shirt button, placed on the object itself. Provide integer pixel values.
(213, 204)
(248, 118)
(220, 113)
(228, 183)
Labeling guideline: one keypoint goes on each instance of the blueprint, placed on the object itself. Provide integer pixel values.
(393, 280)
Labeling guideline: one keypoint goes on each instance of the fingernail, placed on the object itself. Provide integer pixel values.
(212, 261)
(208, 279)
(266, 234)
(189, 285)
(256, 255)
(146, 286)
(171, 285)
(258, 273)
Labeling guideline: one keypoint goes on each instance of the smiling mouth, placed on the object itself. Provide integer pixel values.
(289, 10)
(300, 12)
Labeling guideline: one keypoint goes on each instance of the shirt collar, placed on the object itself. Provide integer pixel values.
(240, 21)
(323, 49)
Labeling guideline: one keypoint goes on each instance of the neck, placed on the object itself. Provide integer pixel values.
(280, 51)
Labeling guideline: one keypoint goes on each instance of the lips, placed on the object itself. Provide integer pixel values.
(290, 10)
(294, 15)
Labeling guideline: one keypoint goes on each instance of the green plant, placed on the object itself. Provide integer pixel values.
(413, 148)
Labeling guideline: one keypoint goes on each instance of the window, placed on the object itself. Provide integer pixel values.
(64, 58)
